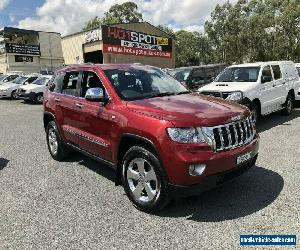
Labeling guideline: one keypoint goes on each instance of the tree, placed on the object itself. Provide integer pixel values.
(192, 48)
(92, 24)
(118, 13)
(255, 30)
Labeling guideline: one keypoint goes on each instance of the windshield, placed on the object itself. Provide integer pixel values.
(143, 82)
(20, 80)
(41, 81)
(239, 74)
(180, 75)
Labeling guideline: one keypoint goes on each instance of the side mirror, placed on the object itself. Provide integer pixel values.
(265, 79)
(96, 95)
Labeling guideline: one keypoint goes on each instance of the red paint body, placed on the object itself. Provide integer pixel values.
(148, 118)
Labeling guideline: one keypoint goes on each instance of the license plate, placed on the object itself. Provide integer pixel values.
(243, 158)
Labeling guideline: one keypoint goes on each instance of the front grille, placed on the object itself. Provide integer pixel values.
(223, 95)
(233, 135)
(215, 94)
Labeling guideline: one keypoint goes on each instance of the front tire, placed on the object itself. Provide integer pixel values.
(14, 95)
(144, 180)
(57, 149)
(39, 98)
(255, 113)
(288, 105)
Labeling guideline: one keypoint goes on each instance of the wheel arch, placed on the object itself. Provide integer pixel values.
(257, 102)
(48, 117)
(129, 140)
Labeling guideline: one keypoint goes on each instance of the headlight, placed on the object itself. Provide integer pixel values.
(235, 96)
(187, 135)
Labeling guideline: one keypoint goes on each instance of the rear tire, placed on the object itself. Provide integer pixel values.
(288, 105)
(57, 148)
(144, 180)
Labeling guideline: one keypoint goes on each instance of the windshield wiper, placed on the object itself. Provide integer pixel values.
(183, 92)
(162, 94)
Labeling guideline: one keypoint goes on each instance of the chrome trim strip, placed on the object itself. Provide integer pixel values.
(85, 137)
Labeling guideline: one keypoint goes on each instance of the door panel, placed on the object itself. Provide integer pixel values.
(280, 85)
(267, 91)
(94, 121)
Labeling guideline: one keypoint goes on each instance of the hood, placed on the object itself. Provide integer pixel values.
(8, 85)
(189, 109)
(33, 87)
(228, 86)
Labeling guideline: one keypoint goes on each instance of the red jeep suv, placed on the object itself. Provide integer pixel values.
(162, 140)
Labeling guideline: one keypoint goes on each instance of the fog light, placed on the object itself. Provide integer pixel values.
(197, 169)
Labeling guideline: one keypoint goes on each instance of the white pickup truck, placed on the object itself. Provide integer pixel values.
(264, 87)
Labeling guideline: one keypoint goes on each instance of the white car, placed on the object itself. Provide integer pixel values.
(8, 77)
(264, 87)
(34, 92)
(9, 89)
(298, 69)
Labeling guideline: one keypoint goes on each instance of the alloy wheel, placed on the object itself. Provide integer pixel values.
(53, 143)
(289, 105)
(142, 180)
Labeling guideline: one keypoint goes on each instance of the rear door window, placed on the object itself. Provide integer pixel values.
(276, 72)
(56, 84)
(70, 84)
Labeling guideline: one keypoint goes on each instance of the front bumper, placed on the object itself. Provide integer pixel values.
(210, 182)
(177, 158)
(26, 96)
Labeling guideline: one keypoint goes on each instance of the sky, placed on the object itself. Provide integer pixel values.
(69, 16)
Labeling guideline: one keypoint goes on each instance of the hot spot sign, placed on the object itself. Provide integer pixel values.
(127, 42)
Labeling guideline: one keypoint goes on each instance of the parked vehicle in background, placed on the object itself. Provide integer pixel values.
(197, 76)
(298, 69)
(8, 77)
(180, 74)
(202, 75)
(265, 87)
(9, 89)
(163, 140)
(34, 91)
(46, 72)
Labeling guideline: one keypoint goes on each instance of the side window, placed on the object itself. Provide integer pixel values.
(90, 80)
(31, 79)
(55, 84)
(276, 72)
(266, 75)
(70, 84)
(197, 76)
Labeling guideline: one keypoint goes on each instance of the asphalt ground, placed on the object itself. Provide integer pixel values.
(75, 204)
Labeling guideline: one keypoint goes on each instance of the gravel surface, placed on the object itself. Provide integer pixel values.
(75, 204)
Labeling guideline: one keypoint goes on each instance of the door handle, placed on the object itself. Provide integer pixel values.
(57, 99)
(78, 105)
(283, 83)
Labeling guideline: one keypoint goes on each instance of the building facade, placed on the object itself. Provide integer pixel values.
(29, 51)
(121, 43)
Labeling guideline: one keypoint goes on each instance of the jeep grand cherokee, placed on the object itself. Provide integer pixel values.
(162, 140)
